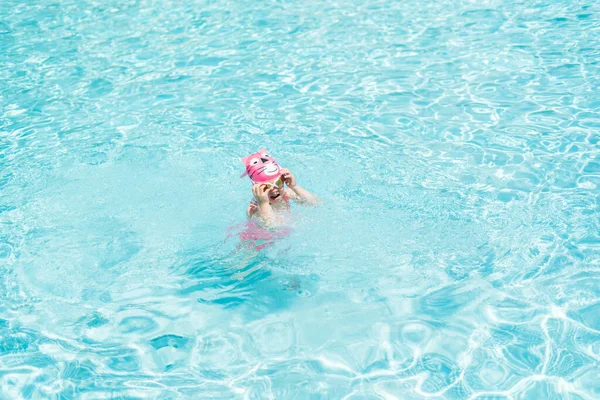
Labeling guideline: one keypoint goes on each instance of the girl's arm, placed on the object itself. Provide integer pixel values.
(296, 191)
(302, 195)
(265, 211)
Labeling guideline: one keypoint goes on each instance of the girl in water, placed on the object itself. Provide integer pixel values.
(269, 212)
(273, 187)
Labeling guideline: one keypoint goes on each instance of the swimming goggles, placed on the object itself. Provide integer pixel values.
(278, 183)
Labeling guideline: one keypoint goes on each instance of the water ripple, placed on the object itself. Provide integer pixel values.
(455, 145)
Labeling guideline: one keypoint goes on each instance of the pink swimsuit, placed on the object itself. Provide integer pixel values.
(253, 236)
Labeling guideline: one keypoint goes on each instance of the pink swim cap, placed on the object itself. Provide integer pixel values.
(261, 167)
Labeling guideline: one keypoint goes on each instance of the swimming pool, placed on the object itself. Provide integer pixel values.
(455, 145)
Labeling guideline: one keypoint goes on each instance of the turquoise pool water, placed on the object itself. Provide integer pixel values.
(456, 148)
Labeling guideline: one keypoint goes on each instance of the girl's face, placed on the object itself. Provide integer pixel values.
(276, 190)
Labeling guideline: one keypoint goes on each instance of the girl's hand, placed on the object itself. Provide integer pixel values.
(252, 209)
(261, 193)
(288, 178)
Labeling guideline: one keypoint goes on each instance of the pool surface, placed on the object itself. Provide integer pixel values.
(455, 145)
